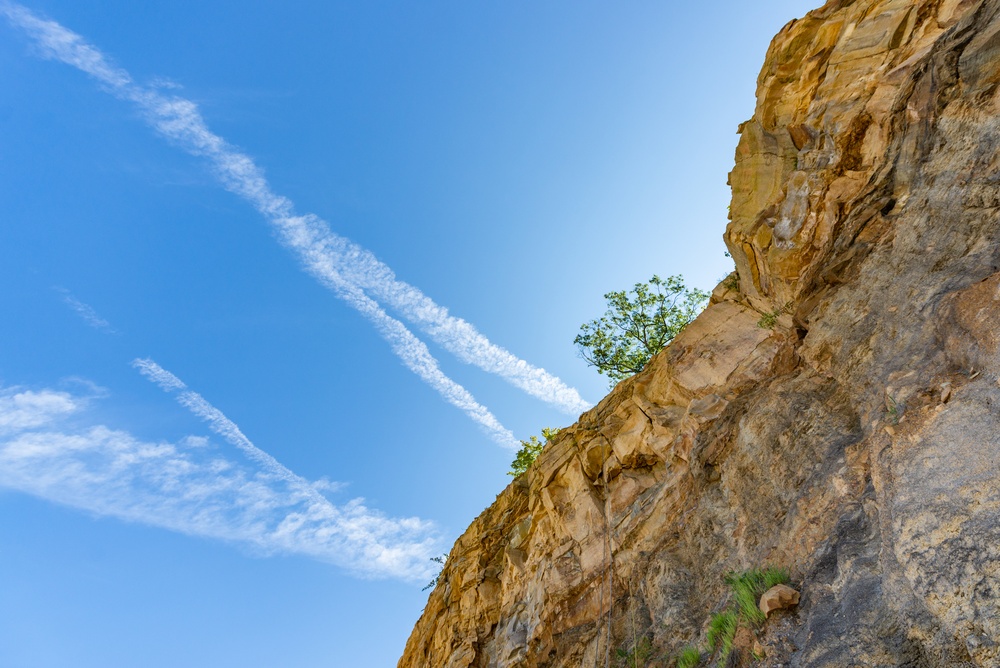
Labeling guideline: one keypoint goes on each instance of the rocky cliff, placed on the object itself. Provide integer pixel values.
(834, 411)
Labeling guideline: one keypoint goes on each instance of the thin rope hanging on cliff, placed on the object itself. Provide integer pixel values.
(609, 558)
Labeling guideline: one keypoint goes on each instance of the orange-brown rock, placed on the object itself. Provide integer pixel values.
(855, 443)
(778, 597)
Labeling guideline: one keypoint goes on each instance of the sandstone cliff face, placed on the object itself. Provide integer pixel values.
(855, 442)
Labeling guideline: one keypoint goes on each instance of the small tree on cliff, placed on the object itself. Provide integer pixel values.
(633, 329)
(529, 452)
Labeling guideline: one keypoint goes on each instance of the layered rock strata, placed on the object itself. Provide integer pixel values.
(854, 441)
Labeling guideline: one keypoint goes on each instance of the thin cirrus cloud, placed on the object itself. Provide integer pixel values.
(86, 312)
(350, 271)
(48, 450)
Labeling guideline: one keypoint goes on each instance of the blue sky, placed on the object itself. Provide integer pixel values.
(261, 262)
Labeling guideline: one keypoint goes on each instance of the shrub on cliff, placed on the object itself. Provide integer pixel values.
(529, 451)
(635, 328)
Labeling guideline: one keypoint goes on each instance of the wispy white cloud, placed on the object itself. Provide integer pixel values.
(189, 487)
(28, 409)
(350, 271)
(85, 311)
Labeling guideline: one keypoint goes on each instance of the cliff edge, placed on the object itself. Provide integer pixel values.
(834, 411)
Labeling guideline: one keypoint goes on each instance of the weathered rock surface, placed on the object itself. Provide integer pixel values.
(778, 597)
(855, 443)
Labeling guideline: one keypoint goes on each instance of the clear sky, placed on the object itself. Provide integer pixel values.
(283, 282)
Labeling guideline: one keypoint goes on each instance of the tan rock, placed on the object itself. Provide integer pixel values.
(866, 209)
(743, 644)
(778, 597)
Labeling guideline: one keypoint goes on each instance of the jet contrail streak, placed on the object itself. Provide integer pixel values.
(323, 253)
(333, 259)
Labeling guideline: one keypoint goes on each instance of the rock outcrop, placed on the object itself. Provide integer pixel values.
(778, 597)
(854, 441)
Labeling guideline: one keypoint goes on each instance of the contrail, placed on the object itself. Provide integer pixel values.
(227, 429)
(217, 422)
(337, 262)
(85, 311)
(178, 119)
(189, 487)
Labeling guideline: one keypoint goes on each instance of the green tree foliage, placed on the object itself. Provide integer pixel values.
(529, 451)
(637, 325)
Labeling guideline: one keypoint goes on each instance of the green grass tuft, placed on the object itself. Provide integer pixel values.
(775, 576)
(689, 657)
(748, 586)
(721, 631)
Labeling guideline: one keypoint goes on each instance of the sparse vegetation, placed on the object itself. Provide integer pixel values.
(689, 657)
(623, 340)
(892, 410)
(529, 451)
(440, 560)
(747, 588)
(721, 632)
(636, 657)
(769, 320)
